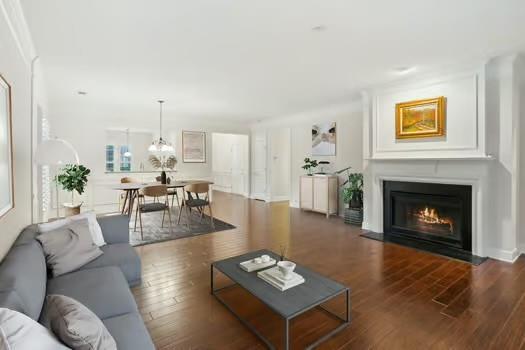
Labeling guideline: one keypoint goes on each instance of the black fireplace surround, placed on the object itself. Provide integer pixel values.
(430, 216)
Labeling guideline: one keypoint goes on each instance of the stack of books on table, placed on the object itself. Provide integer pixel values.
(274, 277)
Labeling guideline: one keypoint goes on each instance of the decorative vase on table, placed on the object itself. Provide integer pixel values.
(163, 177)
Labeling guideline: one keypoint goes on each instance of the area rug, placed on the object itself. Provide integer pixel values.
(153, 232)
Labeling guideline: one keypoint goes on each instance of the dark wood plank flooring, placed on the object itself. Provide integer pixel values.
(401, 298)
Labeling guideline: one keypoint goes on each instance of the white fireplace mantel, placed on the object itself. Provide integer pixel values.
(481, 149)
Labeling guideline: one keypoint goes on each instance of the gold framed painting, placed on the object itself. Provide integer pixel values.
(421, 118)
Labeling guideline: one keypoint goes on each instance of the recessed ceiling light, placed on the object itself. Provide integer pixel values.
(319, 28)
(80, 92)
(404, 70)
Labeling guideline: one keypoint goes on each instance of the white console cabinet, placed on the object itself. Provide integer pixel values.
(319, 193)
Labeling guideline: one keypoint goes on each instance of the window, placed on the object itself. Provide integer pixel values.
(110, 158)
(125, 160)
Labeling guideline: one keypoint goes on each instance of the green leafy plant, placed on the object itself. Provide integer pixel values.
(309, 165)
(353, 190)
(73, 178)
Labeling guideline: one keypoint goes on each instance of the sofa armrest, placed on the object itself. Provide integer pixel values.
(115, 228)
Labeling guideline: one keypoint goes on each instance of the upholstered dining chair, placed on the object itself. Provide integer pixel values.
(161, 203)
(192, 199)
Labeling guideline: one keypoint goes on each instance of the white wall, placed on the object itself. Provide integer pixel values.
(85, 127)
(489, 126)
(349, 147)
(520, 72)
(464, 118)
(15, 67)
(280, 163)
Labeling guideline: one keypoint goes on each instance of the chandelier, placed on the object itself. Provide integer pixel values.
(160, 146)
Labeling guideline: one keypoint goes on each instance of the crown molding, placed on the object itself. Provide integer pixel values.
(14, 15)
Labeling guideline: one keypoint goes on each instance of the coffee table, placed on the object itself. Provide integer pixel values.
(289, 304)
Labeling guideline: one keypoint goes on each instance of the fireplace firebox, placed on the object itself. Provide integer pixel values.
(436, 215)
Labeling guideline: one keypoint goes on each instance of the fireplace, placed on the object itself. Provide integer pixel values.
(437, 216)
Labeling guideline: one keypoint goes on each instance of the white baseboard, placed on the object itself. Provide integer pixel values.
(279, 198)
(222, 189)
(504, 255)
(258, 196)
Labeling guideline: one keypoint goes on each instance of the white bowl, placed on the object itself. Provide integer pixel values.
(286, 268)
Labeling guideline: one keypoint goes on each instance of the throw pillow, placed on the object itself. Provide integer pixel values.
(76, 325)
(94, 227)
(68, 248)
(20, 332)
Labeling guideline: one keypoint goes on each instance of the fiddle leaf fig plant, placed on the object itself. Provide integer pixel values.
(73, 178)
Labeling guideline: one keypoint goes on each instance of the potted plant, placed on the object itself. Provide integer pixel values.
(353, 197)
(73, 177)
(309, 165)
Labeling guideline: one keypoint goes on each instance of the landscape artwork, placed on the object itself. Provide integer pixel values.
(324, 139)
(421, 118)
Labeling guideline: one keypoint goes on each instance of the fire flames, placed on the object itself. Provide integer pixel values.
(431, 216)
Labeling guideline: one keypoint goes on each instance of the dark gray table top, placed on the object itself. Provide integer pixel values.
(315, 290)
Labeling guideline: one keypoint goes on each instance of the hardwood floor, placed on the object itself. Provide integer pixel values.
(401, 298)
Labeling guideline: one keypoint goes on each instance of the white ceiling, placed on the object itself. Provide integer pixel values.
(246, 59)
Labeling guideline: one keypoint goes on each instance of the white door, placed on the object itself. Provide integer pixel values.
(240, 165)
(259, 166)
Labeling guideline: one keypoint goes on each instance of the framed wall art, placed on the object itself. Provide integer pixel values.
(193, 147)
(6, 150)
(324, 137)
(421, 118)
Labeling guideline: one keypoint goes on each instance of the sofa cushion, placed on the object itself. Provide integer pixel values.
(115, 228)
(69, 247)
(122, 255)
(94, 228)
(19, 332)
(76, 325)
(23, 279)
(129, 332)
(103, 290)
(27, 236)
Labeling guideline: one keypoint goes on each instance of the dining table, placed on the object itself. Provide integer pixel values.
(132, 190)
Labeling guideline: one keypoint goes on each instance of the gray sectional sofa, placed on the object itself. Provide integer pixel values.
(102, 285)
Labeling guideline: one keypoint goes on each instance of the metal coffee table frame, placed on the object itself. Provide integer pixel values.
(344, 321)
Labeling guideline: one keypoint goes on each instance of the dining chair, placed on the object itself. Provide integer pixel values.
(161, 203)
(193, 200)
(172, 192)
(125, 180)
